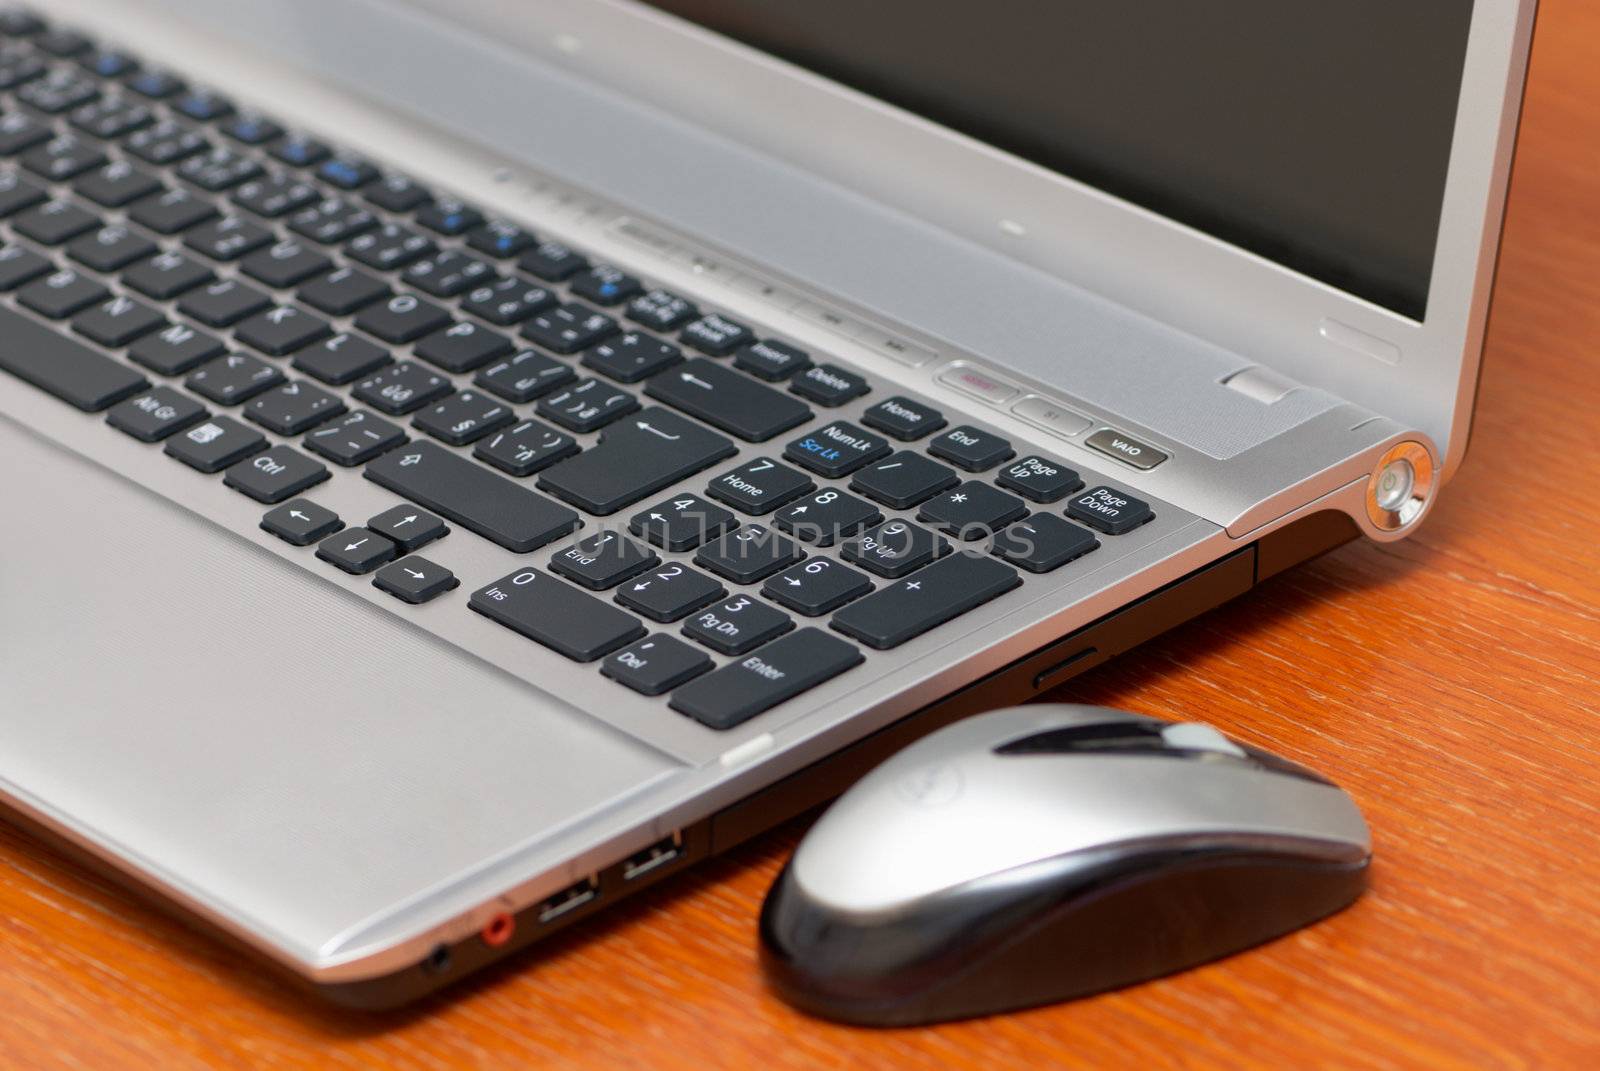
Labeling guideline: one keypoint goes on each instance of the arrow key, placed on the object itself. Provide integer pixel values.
(816, 586)
(300, 521)
(415, 580)
(408, 526)
(669, 592)
(356, 550)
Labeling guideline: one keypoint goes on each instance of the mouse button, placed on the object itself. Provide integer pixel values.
(1197, 736)
(1095, 736)
(1288, 767)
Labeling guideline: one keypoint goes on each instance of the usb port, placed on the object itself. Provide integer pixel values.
(569, 899)
(658, 855)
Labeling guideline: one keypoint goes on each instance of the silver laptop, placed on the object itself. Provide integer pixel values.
(467, 460)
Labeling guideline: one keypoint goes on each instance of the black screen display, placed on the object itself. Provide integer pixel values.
(1315, 133)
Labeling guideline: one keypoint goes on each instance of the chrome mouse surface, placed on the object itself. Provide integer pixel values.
(1046, 852)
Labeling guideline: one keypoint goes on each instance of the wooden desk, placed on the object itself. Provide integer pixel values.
(1451, 682)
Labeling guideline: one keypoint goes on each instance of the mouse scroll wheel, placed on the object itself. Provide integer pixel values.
(1193, 736)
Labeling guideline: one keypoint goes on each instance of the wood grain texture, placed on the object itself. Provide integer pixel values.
(1450, 682)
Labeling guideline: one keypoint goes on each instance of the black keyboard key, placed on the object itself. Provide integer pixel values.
(397, 193)
(656, 664)
(826, 517)
(501, 238)
(19, 265)
(479, 500)
(282, 329)
(1039, 479)
(908, 608)
(219, 169)
(828, 384)
(759, 486)
(17, 193)
(300, 522)
(251, 128)
(215, 444)
(346, 172)
(296, 150)
(903, 418)
(171, 211)
(836, 449)
(568, 328)
(203, 105)
(970, 448)
(464, 417)
(223, 302)
(408, 526)
(284, 264)
(508, 301)
(61, 294)
(63, 366)
(110, 248)
(176, 349)
(448, 274)
(682, 522)
(332, 222)
(389, 247)
(227, 238)
(525, 448)
(749, 554)
(20, 22)
(402, 388)
(117, 321)
(155, 84)
(449, 217)
(275, 195)
(727, 400)
(556, 614)
(1109, 510)
(587, 405)
(603, 560)
(737, 626)
(19, 132)
(355, 439)
(668, 593)
(662, 311)
(18, 64)
(631, 357)
(605, 285)
(903, 479)
(116, 184)
(54, 222)
(166, 275)
(340, 359)
(972, 511)
(165, 143)
(294, 407)
(552, 262)
(356, 550)
(62, 42)
(402, 318)
(524, 376)
(1043, 542)
(895, 548)
(716, 335)
(415, 580)
(235, 378)
(816, 586)
(634, 458)
(342, 291)
(58, 90)
(771, 360)
(275, 474)
(112, 117)
(463, 347)
(758, 682)
(63, 158)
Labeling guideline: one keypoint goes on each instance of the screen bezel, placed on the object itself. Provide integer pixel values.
(1422, 373)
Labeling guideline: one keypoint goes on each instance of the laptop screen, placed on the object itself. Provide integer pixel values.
(1314, 134)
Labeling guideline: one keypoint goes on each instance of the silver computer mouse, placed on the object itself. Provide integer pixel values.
(1047, 852)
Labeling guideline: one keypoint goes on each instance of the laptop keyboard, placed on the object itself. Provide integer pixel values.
(260, 305)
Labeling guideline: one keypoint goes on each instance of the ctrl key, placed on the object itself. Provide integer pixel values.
(760, 681)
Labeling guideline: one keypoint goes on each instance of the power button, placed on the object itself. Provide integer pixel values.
(1124, 447)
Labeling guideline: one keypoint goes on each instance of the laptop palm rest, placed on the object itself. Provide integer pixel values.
(302, 765)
